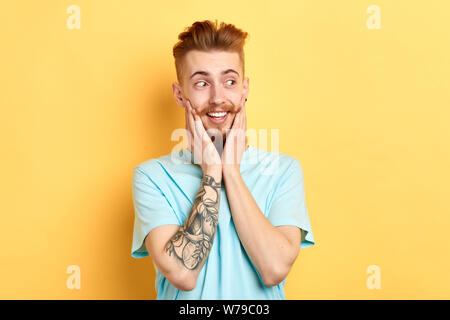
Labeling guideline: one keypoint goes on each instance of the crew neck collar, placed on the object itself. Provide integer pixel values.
(186, 155)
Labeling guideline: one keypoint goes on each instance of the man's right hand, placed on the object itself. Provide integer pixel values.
(201, 145)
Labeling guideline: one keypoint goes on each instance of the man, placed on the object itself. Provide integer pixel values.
(214, 225)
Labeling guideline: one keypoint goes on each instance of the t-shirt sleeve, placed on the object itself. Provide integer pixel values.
(152, 209)
(288, 204)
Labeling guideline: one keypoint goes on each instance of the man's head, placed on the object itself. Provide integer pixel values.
(209, 61)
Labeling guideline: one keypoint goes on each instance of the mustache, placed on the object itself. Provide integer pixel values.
(227, 108)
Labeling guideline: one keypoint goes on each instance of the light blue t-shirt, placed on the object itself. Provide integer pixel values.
(163, 193)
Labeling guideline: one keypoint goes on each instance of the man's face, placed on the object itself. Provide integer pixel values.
(214, 84)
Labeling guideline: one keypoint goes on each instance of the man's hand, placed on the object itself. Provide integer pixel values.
(200, 144)
(235, 143)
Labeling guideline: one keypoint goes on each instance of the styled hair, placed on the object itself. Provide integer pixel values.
(208, 36)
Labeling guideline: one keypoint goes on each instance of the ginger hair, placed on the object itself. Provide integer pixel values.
(209, 36)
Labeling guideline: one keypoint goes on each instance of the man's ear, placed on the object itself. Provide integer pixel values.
(178, 94)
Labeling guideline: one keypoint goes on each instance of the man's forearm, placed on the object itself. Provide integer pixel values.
(192, 243)
(267, 248)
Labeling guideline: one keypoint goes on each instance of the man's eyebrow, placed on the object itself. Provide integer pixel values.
(204, 73)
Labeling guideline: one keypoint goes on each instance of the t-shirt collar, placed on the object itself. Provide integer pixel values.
(186, 155)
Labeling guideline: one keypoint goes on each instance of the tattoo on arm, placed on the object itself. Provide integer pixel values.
(192, 243)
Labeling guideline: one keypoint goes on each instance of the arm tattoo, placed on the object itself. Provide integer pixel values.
(192, 243)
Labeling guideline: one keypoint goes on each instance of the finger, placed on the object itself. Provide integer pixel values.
(241, 102)
(193, 117)
(241, 124)
(189, 132)
(243, 106)
(194, 113)
(190, 119)
(241, 118)
(240, 112)
(236, 120)
(244, 113)
(188, 116)
(200, 129)
(186, 119)
(196, 128)
(245, 119)
(197, 121)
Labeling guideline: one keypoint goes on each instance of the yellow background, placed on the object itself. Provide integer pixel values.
(365, 111)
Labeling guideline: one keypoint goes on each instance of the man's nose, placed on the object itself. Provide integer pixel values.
(217, 95)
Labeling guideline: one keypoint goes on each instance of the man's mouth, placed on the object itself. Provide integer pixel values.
(218, 117)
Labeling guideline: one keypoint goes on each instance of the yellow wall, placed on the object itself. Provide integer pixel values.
(366, 111)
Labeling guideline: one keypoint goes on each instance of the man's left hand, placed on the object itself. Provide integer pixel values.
(236, 142)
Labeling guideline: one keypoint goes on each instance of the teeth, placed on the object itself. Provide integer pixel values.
(217, 114)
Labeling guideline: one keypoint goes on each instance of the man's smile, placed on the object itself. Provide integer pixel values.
(217, 117)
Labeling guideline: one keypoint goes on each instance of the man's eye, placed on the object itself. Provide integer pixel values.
(231, 83)
(200, 82)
